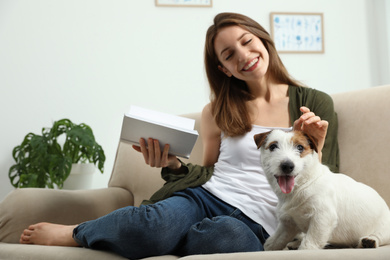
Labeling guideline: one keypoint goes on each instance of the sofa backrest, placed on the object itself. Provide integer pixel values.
(364, 137)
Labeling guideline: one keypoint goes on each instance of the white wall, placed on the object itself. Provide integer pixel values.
(387, 21)
(89, 60)
(379, 40)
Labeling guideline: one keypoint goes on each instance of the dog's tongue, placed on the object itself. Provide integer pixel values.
(286, 183)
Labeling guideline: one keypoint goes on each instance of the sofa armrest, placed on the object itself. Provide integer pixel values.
(23, 207)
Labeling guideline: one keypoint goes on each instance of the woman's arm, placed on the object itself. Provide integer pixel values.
(211, 137)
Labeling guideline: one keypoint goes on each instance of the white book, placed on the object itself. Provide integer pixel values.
(177, 131)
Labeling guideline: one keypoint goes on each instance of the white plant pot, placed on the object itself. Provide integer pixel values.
(80, 177)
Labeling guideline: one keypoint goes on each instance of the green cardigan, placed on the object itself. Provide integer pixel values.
(318, 102)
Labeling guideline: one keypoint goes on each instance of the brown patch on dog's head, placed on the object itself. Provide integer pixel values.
(260, 139)
(312, 142)
(308, 142)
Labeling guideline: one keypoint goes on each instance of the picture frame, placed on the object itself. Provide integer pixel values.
(298, 32)
(185, 3)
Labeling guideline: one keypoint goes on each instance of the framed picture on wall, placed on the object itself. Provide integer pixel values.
(186, 3)
(298, 32)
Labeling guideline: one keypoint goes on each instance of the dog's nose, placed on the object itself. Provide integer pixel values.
(287, 167)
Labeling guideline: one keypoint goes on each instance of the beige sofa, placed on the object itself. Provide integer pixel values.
(364, 138)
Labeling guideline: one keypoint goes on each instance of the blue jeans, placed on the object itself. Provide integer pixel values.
(192, 221)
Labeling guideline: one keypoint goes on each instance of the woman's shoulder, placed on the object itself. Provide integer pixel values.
(303, 90)
(207, 108)
(207, 119)
(207, 114)
(304, 95)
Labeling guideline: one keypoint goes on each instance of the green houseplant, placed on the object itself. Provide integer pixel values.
(41, 160)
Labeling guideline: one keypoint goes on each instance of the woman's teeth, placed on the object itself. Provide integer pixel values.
(253, 62)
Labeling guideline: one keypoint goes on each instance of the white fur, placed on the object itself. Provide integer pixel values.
(325, 207)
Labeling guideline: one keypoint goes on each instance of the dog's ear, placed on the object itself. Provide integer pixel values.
(260, 139)
(312, 142)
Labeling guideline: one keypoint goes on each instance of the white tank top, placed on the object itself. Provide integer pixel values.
(239, 179)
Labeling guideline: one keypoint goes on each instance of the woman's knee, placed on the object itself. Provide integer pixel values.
(222, 234)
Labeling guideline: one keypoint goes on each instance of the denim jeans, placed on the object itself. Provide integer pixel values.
(192, 221)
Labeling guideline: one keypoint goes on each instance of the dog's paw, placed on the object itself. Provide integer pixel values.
(294, 245)
(368, 242)
(270, 245)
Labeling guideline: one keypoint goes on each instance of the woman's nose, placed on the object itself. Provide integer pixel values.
(242, 54)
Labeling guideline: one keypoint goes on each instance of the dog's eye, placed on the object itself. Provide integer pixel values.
(300, 148)
(272, 147)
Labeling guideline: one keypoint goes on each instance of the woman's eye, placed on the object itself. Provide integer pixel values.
(300, 148)
(248, 41)
(229, 56)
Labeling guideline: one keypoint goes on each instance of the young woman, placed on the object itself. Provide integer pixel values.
(234, 210)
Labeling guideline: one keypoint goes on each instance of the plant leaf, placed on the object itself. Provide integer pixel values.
(59, 169)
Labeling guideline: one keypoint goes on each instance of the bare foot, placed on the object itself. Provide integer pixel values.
(49, 234)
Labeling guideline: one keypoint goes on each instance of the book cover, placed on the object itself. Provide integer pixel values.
(174, 130)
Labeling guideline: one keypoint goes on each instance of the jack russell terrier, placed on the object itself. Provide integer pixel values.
(324, 207)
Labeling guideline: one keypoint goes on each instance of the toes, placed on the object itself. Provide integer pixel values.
(27, 232)
(35, 226)
(26, 235)
(24, 239)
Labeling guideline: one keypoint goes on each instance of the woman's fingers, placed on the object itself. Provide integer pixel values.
(152, 154)
(165, 156)
(306, 118)
(304, 109)
(152, 159)
(311, 120)
(144, 150)
(157, 154)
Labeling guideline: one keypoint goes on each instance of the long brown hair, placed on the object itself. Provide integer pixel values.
(229, 94)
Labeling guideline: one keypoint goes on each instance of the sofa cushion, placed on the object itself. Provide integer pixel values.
(381, 253)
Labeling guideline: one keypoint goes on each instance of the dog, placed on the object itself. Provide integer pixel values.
(325, 207)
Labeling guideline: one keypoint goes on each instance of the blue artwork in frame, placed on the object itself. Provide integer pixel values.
(298, 32)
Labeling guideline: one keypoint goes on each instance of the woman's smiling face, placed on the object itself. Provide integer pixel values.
(241, 54)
